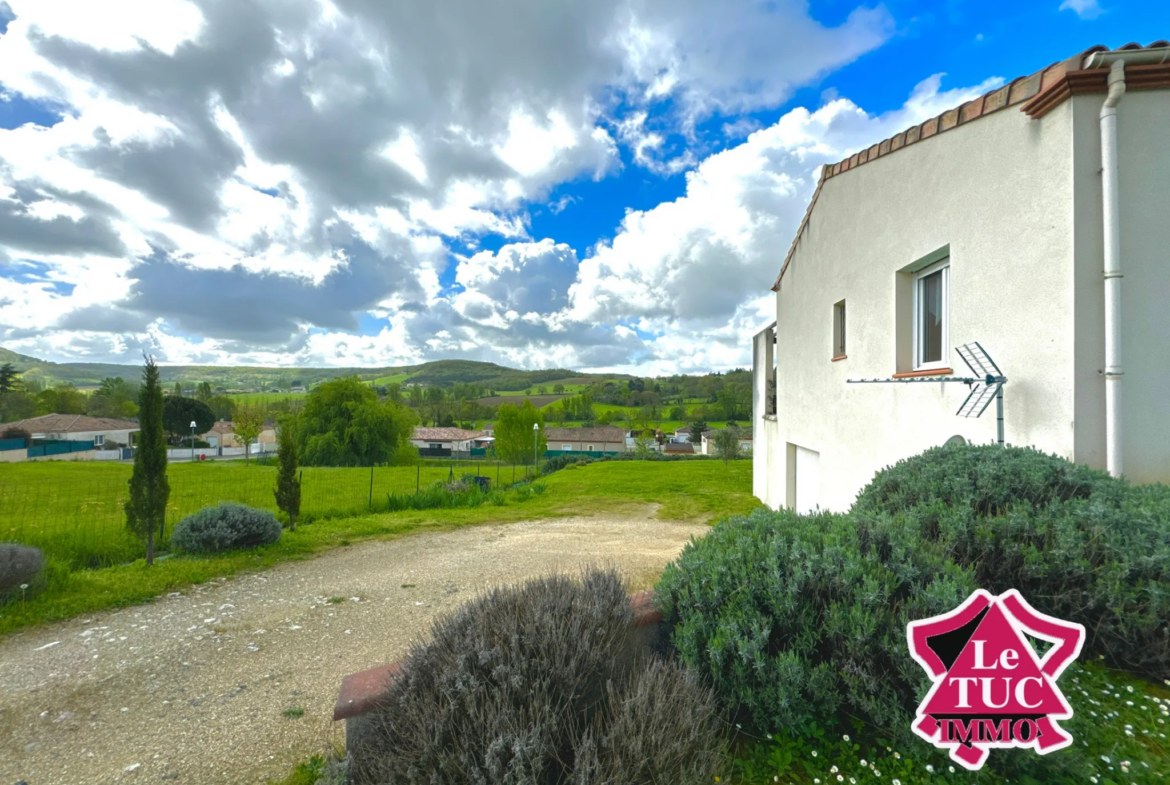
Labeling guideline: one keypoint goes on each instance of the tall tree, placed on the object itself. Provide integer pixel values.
(8, 376)
(203, 391)
(697, 428)
(149, 490)
(515, 441)
(344, 424)
(179, 413)
(288, 487)
(247, 426)
(179, 389)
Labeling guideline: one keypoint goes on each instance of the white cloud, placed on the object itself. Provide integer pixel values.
(243, 182)
(1085, 9)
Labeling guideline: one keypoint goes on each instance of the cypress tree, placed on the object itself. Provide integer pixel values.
(288, 487)
(149, 489)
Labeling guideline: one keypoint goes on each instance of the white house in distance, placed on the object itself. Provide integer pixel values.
(602, 438)
(707, 442)
(77, 427)
(1006, 221)
(455, 439)
(223, 434)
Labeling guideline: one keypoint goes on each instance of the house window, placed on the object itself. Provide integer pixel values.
(566, 448)
(435, 445)
(839, 331)
(589, 448)
(99, 440)
(931, 296)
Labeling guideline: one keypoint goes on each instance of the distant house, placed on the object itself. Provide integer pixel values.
(78, 427)
(683, 434)
(707, 445)
(455, 439)
(603, 438)
(678, 448)
(223, 434)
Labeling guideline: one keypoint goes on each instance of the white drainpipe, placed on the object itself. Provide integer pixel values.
(1111, 209)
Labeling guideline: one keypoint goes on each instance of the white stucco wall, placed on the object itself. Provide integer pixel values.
(1144, 179)
(998, 193)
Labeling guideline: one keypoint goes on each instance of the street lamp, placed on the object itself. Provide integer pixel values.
(535, 443)
(193, 426)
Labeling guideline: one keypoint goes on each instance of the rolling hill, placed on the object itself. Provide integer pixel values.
(441, 373)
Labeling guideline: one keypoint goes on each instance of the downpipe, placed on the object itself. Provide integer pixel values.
(1111, 207)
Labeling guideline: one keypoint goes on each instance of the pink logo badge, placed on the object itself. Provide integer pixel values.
(991, 689)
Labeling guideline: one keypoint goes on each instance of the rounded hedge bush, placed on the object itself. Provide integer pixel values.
(542, 684)
(20, 565)
(225, 527)
(798, 621)
(1078, 544)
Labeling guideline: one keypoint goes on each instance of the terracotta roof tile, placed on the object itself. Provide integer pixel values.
(1039, 92)
(599, 434)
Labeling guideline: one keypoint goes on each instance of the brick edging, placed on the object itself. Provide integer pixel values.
(366, 690)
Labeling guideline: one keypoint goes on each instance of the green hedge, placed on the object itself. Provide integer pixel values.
(1079, 544)
(797, 621)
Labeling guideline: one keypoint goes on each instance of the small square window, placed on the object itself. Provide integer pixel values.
(99, 440)
(839, 330)
(931, 296)
(566, 448)
(589, 448)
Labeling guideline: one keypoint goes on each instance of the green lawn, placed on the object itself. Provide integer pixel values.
(703, 490)
(74, 510)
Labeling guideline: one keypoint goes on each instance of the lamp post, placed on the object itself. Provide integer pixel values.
(193, 426)
(535, 444)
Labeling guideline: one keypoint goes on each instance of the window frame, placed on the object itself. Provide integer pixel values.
(840, 323)
(942, 265)
(99, 440)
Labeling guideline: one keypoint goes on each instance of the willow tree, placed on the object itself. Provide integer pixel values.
(149, 490)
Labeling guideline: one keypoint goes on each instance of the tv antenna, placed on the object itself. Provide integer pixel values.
(986, 384)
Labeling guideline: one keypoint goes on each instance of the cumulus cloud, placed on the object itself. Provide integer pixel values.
(286, 182)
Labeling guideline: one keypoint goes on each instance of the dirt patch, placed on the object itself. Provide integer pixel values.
(205, 687)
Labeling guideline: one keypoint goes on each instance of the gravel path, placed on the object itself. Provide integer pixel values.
(194, 687)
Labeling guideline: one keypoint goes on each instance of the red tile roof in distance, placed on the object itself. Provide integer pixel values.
(1039, 93)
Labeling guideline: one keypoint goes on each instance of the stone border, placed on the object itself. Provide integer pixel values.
(367, 690)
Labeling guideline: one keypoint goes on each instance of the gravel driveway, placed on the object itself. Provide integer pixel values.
(195, 687)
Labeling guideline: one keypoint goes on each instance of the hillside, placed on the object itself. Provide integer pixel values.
(441, 373)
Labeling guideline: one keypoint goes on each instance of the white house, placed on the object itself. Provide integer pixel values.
(1008, 221)
(707, 443)
(77, 427)
(455, 439)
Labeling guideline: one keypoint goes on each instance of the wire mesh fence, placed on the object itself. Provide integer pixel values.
(79, 516)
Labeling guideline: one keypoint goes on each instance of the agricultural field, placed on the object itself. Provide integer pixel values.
(539, 401)
(74, 511)
(398, 378)
(573, 385)
(262, 398)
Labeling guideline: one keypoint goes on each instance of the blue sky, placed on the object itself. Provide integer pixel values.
(539, 185)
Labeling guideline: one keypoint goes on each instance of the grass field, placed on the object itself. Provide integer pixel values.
(254, 399)
(683, 490)
(539, 401)
(74, 511)
(397, 378)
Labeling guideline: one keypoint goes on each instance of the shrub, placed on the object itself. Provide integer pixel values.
(558, 462)
(13, 432)
(797, 621)
(1078, 544)
(541, 684)
(19, 565)
(225, 527)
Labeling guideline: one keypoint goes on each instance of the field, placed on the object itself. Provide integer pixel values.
(539, 401)
(254, 399)
(682, 490)
(75, 511)
(397, 378)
